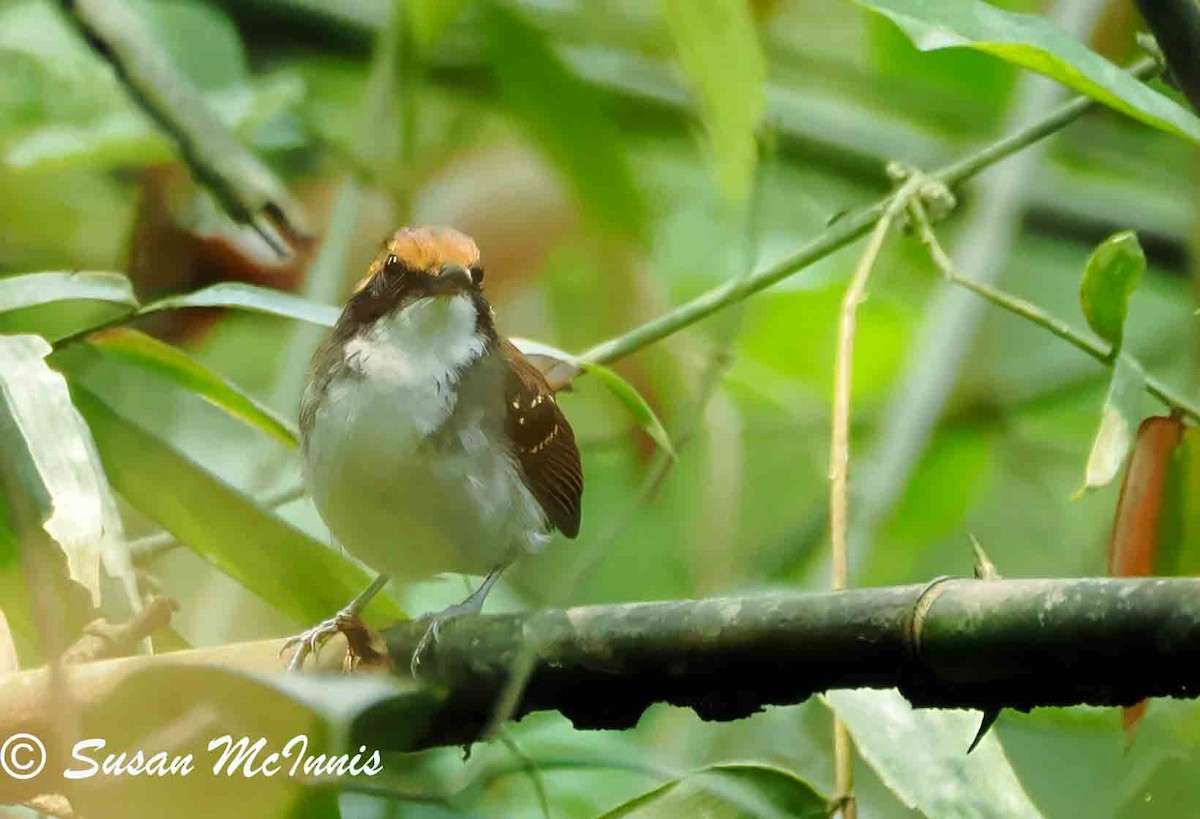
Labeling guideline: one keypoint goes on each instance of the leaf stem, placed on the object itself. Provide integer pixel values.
(1100, 350)
(839, 453)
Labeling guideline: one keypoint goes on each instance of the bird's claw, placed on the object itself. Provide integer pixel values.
(430, 637)
(310, 641)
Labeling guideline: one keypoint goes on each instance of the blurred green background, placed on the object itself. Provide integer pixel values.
(562, 137)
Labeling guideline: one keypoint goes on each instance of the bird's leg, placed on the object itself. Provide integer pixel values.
(472, 605)
(346, 620)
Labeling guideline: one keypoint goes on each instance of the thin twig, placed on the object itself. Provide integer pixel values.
(988, 230)
(839, 453)
(840, 234)
(1099, 350)
(839, 447)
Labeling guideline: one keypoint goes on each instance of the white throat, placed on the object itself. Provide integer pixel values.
(420, 345)
(386, 496)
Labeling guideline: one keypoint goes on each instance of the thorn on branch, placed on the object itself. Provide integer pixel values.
(985, 569)
(985, 724)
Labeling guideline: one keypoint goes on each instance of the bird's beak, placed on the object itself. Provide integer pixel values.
(451, 280)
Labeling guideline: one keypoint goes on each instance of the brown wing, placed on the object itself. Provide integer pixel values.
(543, 440)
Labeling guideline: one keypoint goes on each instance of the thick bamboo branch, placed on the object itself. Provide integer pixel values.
(954, 643)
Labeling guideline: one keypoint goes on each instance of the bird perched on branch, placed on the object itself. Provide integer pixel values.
(431, 444)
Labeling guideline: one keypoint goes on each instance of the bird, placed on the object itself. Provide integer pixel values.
(430, 443)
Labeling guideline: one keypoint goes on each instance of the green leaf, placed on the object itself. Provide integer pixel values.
(289, 570)
(249, 297)
(1037, 44)
(32, 289)
(731, 790)
(172, 364)
(621, 389)
(55, 305)
(564, 117)
(731, 88)
(633, 401)
(1111, 275)
(1118, 423)
(51, 452)
(920, 755)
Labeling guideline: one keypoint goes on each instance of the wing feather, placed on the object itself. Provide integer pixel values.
(543, 442)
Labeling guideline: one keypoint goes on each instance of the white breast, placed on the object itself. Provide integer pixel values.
(406, 460)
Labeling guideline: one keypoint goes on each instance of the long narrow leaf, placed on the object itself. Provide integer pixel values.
(32, 289)
(56, 459)
(129, 138)
(58, 304)
(731, 89)
(248, 297)
(172, 364)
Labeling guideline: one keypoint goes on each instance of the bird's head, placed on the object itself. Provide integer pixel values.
(415, 264)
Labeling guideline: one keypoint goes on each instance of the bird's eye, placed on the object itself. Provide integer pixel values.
(391, 261)
(476, 275)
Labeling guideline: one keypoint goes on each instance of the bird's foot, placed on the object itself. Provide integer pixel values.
(309, 641)
(347, 622)
(472, 605)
